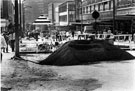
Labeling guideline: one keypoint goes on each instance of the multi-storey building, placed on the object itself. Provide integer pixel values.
(124, 14)
(66, 14)
(53, 12)
(7, 13)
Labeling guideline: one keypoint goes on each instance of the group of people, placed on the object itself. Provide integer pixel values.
(7, 39)
(66, 35)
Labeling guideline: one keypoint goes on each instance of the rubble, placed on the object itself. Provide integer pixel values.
(79, 52)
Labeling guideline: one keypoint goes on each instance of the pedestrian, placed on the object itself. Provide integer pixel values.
(57, 36)
(110, 37)
(104, 34)
(12, 41)
(5, 34)
(3, 44)
(79, 35)
(73, 33)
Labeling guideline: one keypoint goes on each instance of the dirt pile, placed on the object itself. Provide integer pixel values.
(79, 52)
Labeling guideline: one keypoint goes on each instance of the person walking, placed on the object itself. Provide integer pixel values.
(3, 44)
(110, 37)
(73, 34)
(5, 34)
(12, 41)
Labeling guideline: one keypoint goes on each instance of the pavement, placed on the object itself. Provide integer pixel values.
(112, 76)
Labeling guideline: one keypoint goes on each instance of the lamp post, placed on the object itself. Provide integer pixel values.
(114, 11)
(81, 18)
(16, 31)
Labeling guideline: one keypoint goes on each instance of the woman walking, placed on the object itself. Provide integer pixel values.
(3, 44)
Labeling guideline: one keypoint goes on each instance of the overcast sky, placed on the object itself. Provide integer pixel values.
(38, 7)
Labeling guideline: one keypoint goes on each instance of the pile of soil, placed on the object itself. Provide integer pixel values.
(78, 52)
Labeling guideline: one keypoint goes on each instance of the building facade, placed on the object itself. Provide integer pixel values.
(124, 14)
(66, 14)
(7, 13)
(53, 12)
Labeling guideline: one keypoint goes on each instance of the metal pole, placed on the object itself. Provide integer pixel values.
(23, 18)
(114, 9)
(132, 20)
(16, 30)
(20, 16)
(81, 18)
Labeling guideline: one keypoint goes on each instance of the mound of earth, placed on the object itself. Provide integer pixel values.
(78, 52)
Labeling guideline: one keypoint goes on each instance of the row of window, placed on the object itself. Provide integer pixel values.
(99, 7)
(71, 17)
(63, 7)
(103, 6)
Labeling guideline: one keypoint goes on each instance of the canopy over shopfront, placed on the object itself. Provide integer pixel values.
(3, 22)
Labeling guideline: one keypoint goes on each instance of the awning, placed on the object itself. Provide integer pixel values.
(79, 23)
(3, 22)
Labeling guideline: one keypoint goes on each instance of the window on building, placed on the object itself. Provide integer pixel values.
(71, 16)
(99, 7)
(123, 3)
(96, 7)
(90, 9)
(63, 8)
(86, 9)
(71, 7)
(80, 11)
(63, 18)
(83, 10)
(106, 5)
(109, 5)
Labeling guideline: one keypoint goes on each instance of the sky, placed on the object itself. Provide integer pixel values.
(38, 7)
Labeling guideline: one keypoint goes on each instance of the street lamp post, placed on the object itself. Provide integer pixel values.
(81, 18)
(20, 7)
(114, 11)
(23, 18)
(16, 31)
